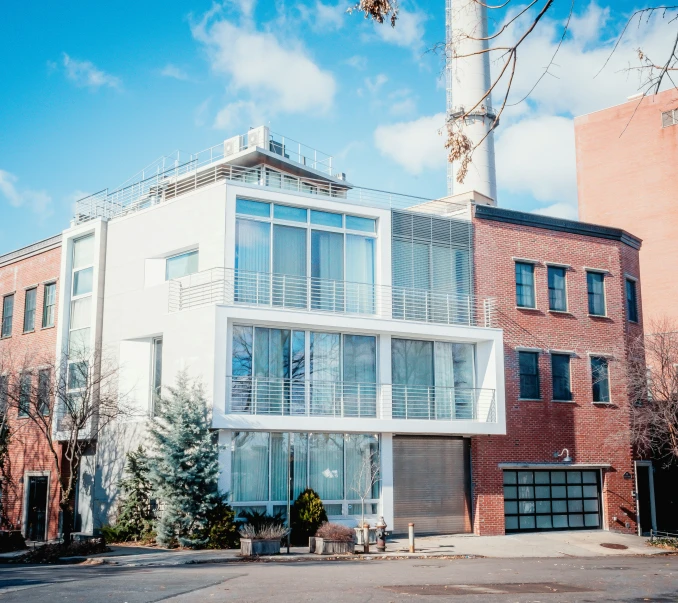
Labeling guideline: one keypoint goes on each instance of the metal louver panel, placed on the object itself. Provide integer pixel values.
(431, 253)
(431, 484)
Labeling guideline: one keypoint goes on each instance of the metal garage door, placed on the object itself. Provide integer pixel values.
(551, 500)
(431, 485)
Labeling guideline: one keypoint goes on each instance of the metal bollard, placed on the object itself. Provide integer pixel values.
(381, 535)
(366, 538)
(410, 530)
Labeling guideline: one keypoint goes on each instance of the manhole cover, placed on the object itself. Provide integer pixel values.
(614, 545)
(486, 589)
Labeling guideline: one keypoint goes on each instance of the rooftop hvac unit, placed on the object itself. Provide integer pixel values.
(258, 137)
(232, 146)
(340, 176)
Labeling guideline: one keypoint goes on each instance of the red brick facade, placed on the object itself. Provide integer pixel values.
(593, 433)
(34, 266)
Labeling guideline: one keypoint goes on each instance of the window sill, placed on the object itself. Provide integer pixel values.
(46, 328)
(602, 403)
(28, 332)
(528, 309)
(563, 401)
(6, 337)
(601, 316)
(566, 312)
(530, 399)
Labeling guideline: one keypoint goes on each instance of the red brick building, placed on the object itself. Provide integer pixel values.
(28, 296)
(542, 270)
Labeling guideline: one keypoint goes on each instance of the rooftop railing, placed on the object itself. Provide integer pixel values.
(237, 287)
(341, 399)
(197, 173)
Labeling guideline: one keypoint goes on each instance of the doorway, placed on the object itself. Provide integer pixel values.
(645, 498)
(36, 515)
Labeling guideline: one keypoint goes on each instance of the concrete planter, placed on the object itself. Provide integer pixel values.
(359, 536)
(322, 546)
(250, 548)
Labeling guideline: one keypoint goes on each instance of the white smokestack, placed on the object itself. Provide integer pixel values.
(468, 79)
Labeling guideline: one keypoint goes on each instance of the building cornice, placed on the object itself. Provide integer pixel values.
(30, 250)
(486, 212)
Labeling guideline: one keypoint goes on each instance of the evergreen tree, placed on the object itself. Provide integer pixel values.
(185, 466)
(135, 512)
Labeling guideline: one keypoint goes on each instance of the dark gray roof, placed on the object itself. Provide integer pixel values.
(29, 250)
(486, 212)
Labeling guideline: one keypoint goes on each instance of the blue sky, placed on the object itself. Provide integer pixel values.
(93, 92)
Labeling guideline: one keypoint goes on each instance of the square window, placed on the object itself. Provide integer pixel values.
(574, 477)
(526, 492)
(544, 522)
(511, 523)
(285, 212)
(590, 491)
(525, 477)
(510, 492)
(560, 521)
(542, 492)
(526, 507)
(363, 224)
(589, 477)
(559, 506)
(181, 265)
(591, 520)
(541, 477)
(576, 521)
(575, 506)
(591, 506)
(326, 218)
(510, 477)
(527, 522)
(543, 506)
(511, 507)
(557, 477)
(574, 492)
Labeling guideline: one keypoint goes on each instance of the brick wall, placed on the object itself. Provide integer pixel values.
(629, 181)
(28, 448)
(594, 434)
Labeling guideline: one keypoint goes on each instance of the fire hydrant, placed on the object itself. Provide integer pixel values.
(381, 535)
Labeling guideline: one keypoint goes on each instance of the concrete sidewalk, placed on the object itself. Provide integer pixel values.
(544, 544)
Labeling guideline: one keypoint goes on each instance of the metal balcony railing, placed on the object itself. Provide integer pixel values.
(237, 287)
(434, 403)
(298, 397)
(310, 398)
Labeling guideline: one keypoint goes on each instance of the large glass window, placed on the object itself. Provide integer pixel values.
(595, 282)
(318, 261)
(525, 297)
(3, 394)
(49, 304)
(600, 379)
(339, 467)
(270, 373)
(529, 375)
(432, 380)
(7, 315)
(44, 389)
(631, 301)
(560, 370)
(25, 387)
(557, 293)
(29, 309)
(156, 383)
(181, 265)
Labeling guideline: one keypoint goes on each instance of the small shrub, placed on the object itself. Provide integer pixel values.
(335, 531)
(260, 520)
(665, 543)
(11, 540)
(52, 553)
(223, 531)
(307, 514)
(266, 532)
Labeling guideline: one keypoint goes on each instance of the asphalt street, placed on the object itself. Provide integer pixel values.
(628, 579)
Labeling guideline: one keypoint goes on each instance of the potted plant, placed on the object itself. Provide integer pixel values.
(263, 540)
(332, 539)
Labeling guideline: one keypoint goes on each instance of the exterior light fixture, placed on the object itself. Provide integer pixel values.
(566, 452)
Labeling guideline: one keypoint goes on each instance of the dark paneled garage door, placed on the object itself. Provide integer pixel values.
(551, 500)
(431, 484)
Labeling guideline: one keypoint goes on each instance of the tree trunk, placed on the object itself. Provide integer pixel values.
(66, 521)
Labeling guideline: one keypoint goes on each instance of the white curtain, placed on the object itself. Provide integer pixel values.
(327, 465)
(249, 469)
(252, 261)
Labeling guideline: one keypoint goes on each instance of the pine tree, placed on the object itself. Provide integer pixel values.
(185, 465)
(135, 512)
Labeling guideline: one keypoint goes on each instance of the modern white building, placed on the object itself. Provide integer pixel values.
(330, 325)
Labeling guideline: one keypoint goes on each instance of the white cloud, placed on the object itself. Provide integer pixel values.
(324, 17)
(275, 77)
(408, 32)
(414, 145)
(38, 202)
(407, 106)
(559, 210)
(373, 84)
(86, 74)
(357, 62)
(233, 114)
(174, 72)
(536, 156)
